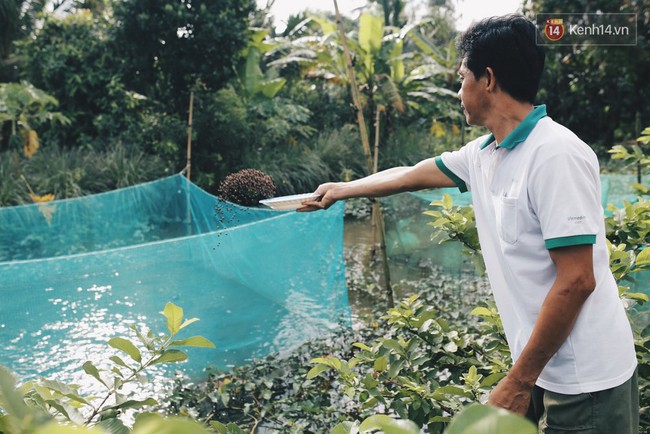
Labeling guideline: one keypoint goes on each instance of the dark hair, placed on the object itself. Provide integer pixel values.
(508, 45)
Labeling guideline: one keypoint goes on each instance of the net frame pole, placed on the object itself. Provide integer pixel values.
(365, 142)
(188, 164)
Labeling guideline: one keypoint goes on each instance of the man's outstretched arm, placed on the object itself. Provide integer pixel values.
(425, 174)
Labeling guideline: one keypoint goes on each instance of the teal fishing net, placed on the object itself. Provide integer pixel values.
(75, 273)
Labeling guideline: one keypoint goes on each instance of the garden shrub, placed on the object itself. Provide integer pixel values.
(277, 393)
(49, 406)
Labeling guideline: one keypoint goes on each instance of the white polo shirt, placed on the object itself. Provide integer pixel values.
(539, 190)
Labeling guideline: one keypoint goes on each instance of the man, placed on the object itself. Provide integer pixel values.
(536, 193)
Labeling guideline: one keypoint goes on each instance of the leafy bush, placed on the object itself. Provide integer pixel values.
(276, 392)
(49, 406)
(26, 109)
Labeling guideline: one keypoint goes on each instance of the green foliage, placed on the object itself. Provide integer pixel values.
(253, 82)
(49, 406)
(377, 423)
(169, 47)
(425, 371)
(599, 92)
(302, 166)
(628, 234)
(620, 152)
(628, 228)
(234, 132)
(26, 108)
(636, 158)
(73, 59)
(482, 419)
(388, 76)
(69, 173)
(456, 223)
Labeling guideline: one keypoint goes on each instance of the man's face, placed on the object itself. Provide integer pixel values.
(471, 94)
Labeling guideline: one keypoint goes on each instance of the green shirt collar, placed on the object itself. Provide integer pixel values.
(522, 131)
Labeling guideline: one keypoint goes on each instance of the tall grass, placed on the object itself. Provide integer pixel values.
(68, 173)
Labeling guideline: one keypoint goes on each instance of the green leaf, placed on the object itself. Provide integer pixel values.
(234, 429)
(113, 426)
(388, 425)
(392, 344)
(219, 427)
(345, 428)
(362, 346)
(126, 346)
(92, 370)
(440, 419)
(270, 88)
(483, 419)
(174, 315)
(147, 340)
(170, 356)
(643, 258)
(194, 341)
(492, 379)
(450, 390)
(171, 425)
(481, 311)
(450, 347)
(329, 361)
(317, 370)
(188, 322)
(118, 361)
(54, 428)
(638, 296)
(132, 403)
(447, 201)
(10, 400)
(60, 387)
(144, 418)
(381, 363)
(326, 25)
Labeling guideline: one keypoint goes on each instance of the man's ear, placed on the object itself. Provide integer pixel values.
(491, 82)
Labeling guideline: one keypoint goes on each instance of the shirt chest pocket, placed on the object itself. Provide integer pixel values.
(508, 225)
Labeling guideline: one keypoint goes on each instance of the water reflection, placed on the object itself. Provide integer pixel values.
(78, 332)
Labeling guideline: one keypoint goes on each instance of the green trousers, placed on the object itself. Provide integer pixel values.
(611, 411)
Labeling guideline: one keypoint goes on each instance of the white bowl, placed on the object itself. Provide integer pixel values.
(286, 203)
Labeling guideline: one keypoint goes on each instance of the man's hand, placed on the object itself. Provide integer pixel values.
(512, 395)
(327, 197)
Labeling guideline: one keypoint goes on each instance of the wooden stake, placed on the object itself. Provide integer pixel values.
(188, 166)
(378, 224)
(375, 167)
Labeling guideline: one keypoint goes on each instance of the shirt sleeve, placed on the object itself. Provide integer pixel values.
(565, 196)
(455, 165)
